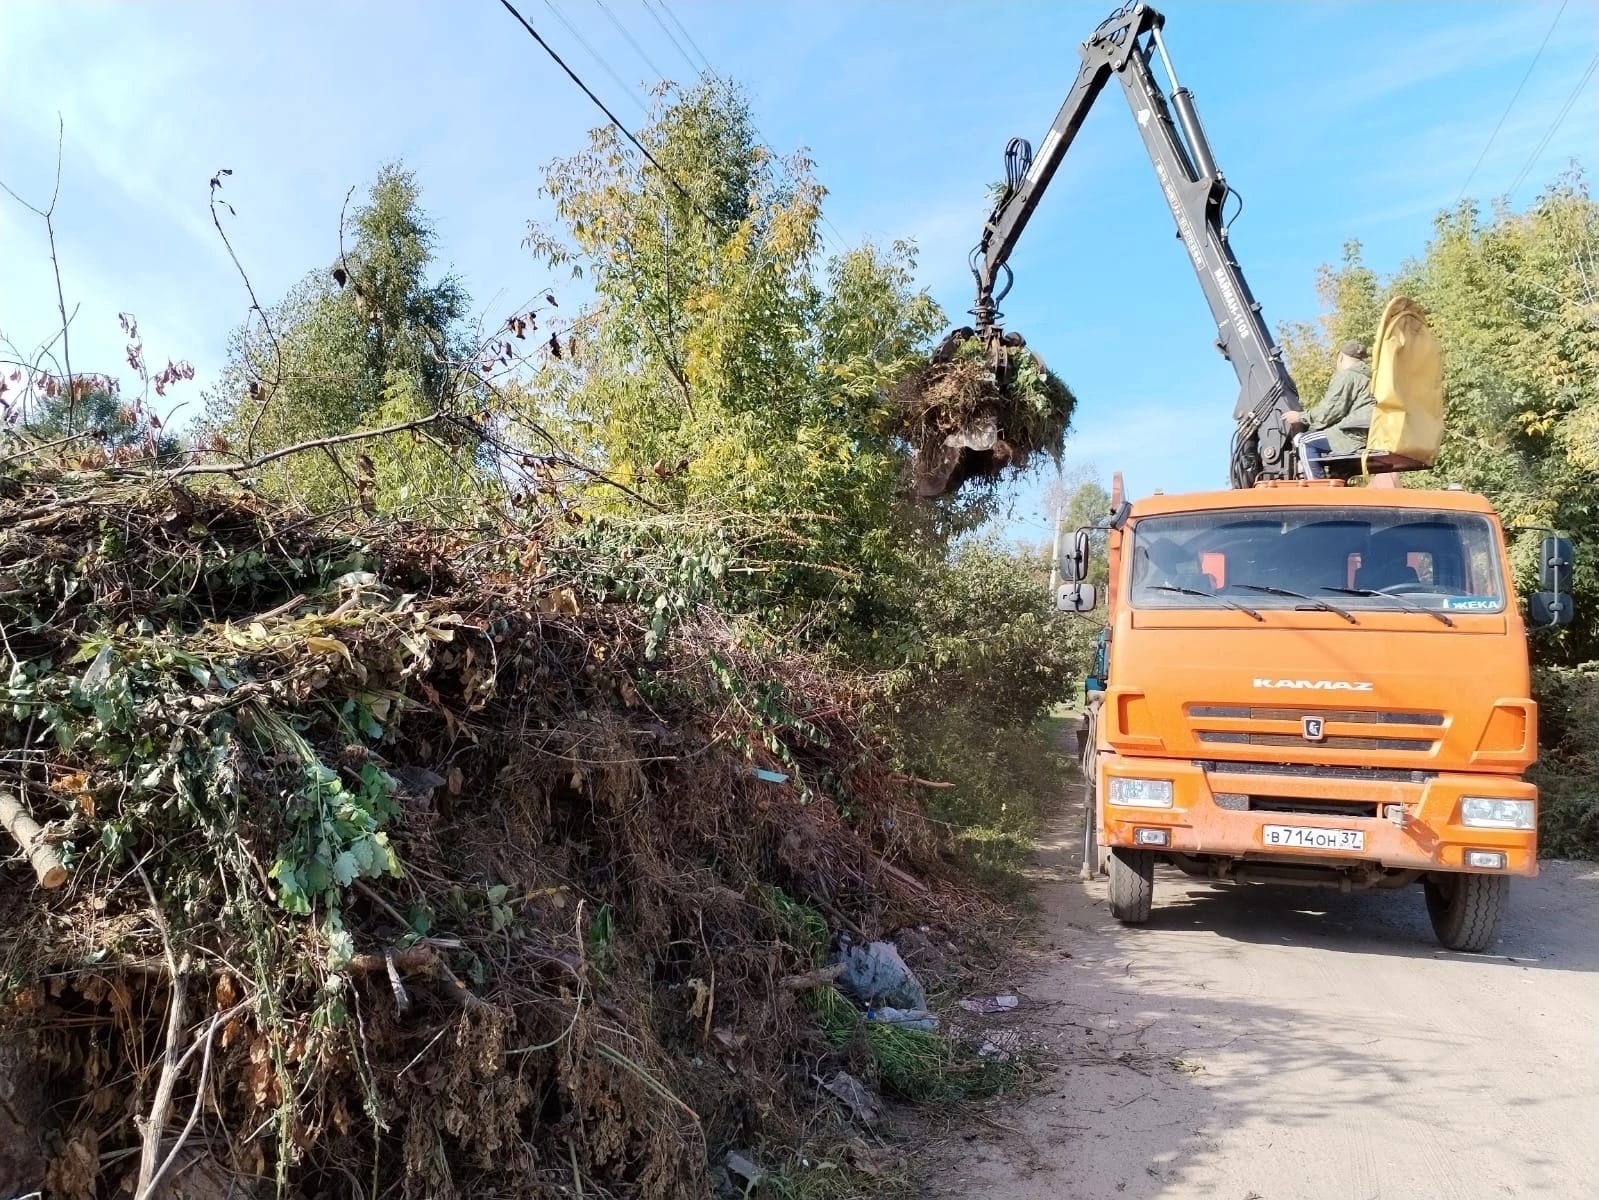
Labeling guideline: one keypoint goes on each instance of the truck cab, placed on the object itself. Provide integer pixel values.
(1311, 683)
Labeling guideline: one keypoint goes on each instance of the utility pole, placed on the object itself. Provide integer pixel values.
(1054, 554)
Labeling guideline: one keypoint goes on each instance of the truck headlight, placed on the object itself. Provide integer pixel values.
(1481, 812)
(1141, 793)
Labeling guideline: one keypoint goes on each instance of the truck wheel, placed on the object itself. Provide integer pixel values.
(1466, 909)
(1132, 884)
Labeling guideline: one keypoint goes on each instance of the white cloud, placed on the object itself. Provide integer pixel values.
(1396, 65)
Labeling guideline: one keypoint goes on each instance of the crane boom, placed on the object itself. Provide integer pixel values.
(1195, 191)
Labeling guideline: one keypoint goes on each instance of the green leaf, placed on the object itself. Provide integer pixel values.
(315, 876)
(98, 675)
(292, 895)
(341, 948)
(421, 919)
(346, 868)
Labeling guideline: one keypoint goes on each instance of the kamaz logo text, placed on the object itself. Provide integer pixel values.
(1314, 685)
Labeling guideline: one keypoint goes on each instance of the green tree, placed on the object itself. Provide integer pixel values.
(1514, 299)
(369, 344)
(969, 704)
(1090, 506)
(95, 409)
(94, 413)
(1352, 302)
(726, 368)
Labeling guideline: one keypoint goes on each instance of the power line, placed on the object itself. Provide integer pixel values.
(829, 231)
(596, 56)
(687, 36)
(612, 117)
(626, 132)
(631, 40)
(672, 37)
(1502, 116)
(1570, 100)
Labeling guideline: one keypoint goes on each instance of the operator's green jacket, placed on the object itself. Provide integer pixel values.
(1345, 412)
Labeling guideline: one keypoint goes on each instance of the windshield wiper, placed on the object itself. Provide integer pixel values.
(1312, 600)
(1402, 601)
(1188, 591)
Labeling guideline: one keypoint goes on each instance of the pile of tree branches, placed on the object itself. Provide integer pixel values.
(410, 860)
(979, 409)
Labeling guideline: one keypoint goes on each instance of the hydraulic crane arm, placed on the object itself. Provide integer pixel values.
(1195, 191)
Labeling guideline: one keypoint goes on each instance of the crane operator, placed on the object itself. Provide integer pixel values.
(1339, 424)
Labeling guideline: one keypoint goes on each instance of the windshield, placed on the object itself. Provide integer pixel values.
(1351, 558)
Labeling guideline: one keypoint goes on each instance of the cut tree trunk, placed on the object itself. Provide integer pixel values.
(27, 834)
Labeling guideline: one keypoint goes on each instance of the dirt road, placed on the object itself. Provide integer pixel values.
(1296, 1044)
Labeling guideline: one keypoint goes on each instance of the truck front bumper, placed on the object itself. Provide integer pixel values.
(1402, 825)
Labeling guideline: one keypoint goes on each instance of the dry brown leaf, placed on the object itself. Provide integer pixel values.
(328, 645)
(702, 998)
(72, 1173)
(560, 602)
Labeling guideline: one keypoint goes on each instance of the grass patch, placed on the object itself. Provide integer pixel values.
(1567, 774)
(923, 1066)
(799, 924)
(913, 1064)
(1568, 800)
(833, 1173)
(1006, 788)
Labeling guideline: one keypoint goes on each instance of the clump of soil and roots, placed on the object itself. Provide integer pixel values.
(411, 862)
(966, 421)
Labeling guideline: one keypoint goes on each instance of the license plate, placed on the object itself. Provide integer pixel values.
(1300, 837)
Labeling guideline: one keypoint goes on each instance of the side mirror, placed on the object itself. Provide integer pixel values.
(1074, 563)
(1077, 597)
(1549, 610)
(1554, 564)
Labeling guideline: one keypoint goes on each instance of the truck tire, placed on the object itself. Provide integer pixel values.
(1132, 884)
(1466, 909)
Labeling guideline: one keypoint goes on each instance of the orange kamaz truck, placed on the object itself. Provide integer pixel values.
(1311, 683)
(1301, 680)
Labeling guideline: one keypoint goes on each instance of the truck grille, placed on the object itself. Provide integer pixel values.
(1348, 716)
(1319, 808)
(1342, 728)
(1302, 771)
(1331, 741)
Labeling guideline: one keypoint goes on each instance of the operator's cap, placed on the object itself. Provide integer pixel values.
(1354, 350)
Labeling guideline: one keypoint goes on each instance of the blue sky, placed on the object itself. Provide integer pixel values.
(1335, 121)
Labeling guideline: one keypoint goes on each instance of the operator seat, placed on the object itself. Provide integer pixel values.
(1363, 462)
(1384, 566)
(1174, 564)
